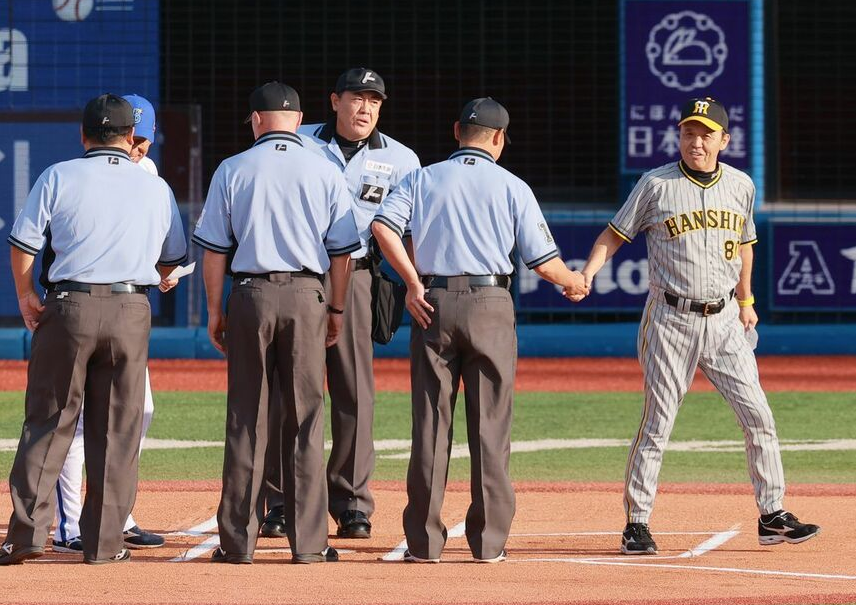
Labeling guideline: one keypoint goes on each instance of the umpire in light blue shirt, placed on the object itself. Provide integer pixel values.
(466, 215)
(286, 214)
(115, 232)
(372, 163)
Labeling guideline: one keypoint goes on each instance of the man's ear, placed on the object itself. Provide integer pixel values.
(457, 131)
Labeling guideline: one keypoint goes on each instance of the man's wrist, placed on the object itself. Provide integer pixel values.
(746, 302)
(335, 310)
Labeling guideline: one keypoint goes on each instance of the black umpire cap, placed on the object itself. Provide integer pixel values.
(708, 111)
(359, 79)
(108, 111)
(273, 96)
(488, 113)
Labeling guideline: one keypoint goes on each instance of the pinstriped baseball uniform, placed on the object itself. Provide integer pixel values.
(693, 231)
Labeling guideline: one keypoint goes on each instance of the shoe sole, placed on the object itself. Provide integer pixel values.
(68, 551)
(310, 559)
(779, 539)
(142, 546)
(24, 554)
(421, 561)
(107, 561)
(499, 559)
(233, 561)
(626, 551)
(359, 534)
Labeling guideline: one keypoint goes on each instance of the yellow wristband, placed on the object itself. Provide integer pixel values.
(746, 303)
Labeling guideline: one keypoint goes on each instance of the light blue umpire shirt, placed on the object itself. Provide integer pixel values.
(372, 173)
(280, 206)
(466, 214)
(109, 221)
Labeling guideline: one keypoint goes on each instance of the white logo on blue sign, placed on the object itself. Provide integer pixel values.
(686, 51)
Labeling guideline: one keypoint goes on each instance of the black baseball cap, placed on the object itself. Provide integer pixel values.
(488, 113)
(359, 79)
(273, 96)
(108, 111)
(708, 111)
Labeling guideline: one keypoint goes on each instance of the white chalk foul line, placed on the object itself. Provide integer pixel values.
(397, 553)
(762, 572)
(609, 533)
(198, 550)
(198, 530)
(715, 541)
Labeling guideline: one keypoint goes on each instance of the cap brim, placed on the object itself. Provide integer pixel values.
(706, 121)
(377, 92)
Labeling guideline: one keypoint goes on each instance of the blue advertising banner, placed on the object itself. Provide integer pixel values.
(60, 54)
(674, 51)
(814, 266)
(26, 149)
(621, 285)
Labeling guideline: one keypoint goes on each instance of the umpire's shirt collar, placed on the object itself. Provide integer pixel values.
(328, 131)
(279, 135)
(98, 152)
(473, 151)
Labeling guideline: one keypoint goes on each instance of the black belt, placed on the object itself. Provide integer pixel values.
(267, 276)
(76, 286)
(363, 263)
(475, 281)
(704, 308)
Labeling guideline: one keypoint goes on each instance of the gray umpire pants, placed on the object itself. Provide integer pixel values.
(276, 324)
(94, 345)
(471, 336)
(350, 379)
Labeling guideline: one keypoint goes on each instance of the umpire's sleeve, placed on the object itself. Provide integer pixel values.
(396, 210)
(174, 249)
(342, 236)
(214, 227)
(28, 232)
(531, 233)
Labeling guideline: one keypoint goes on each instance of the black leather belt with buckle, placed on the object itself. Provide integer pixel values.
(76, 286)
(363, 263)
(475, 281)
(267, 276)
(704, 308)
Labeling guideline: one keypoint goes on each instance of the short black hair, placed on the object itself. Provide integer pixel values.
(106, 135)
(476, 132)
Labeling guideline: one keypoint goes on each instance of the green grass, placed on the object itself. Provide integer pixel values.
(704, 416)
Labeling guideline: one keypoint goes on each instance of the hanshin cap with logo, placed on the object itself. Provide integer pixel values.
(273, 96)
(108, 111)
(144, 116)
(488, 113)
(359, 79)
(708, 111)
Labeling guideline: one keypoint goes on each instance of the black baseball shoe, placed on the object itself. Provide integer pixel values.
(328, 555)
(120, 557)
(73, 546)
(636, 540)
(274, 524)
(354, 524)
(783, 526)
(409, 557)
(502, 556)
(12, 555)
(221, 556)
(138, 538)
